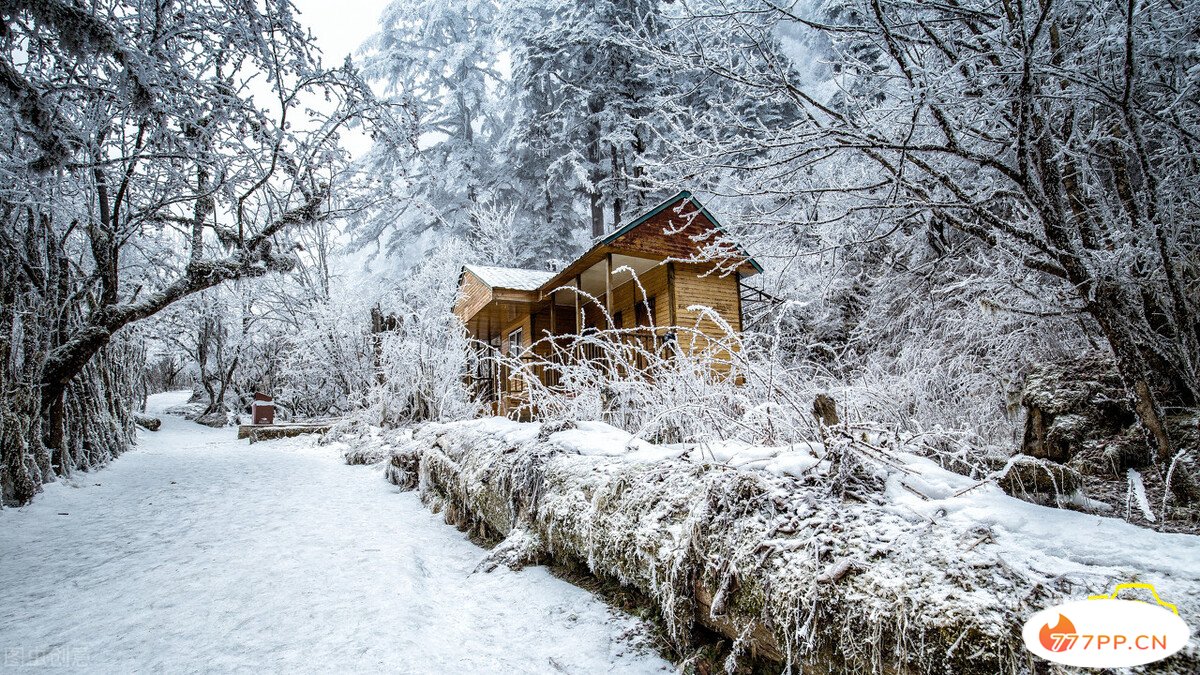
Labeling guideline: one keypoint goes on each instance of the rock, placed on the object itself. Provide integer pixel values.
(147, 422)
(403, 469)
(366, 454)
(554, 427)
(520, 548)
(1039, 479)
(1110, 458)
(1083, 429)
(1072, 405)
(215, 420)
(825, 410)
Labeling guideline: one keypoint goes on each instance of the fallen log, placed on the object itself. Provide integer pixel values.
(274, 431)
(704, 541)
(826, 564)
(147, 422)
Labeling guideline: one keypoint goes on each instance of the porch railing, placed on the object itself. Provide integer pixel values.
(628, 354)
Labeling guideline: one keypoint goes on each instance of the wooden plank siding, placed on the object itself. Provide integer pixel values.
(473, 296)
(678, 236)
(694, 287)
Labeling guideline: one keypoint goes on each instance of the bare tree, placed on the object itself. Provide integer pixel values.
(154, 150)
(1061, 134)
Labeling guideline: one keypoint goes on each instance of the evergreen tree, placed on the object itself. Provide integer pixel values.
(587, 103)
(440, 61)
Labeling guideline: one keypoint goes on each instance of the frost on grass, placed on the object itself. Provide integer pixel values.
(847, 555)
(520, 548)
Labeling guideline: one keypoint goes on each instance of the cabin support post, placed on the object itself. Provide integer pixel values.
(489, 364)
(671, 294)
(578, 307)
(608, 307)
(497, 372)
(737, 277)
(553, 315)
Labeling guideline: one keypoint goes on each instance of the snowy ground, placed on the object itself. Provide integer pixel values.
(198, 552)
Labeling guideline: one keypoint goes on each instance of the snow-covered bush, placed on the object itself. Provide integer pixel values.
(421, 365)
(327, 365)
(684, 385)
(675, 385)
(420, 349)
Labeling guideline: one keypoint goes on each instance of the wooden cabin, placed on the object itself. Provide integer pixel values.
(639, 285)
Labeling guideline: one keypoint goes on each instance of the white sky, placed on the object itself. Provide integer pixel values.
(340, 27)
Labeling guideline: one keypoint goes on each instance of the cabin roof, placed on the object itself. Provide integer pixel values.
(513, 278)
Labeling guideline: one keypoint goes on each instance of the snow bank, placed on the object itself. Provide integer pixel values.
(855, 558)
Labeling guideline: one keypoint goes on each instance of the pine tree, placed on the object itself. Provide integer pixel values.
(440, 61)
(586, 105)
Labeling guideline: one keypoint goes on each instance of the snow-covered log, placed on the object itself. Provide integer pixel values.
(273, 431)
(802, 556)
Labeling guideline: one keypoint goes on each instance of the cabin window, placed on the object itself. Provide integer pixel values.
(644, 313)
(618, 320)
(514, 342)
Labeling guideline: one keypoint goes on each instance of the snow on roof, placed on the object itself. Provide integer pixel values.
(510, 277)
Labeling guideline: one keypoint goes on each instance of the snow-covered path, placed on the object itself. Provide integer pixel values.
(198, 552)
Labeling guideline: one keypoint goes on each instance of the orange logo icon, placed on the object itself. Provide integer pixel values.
(1057, 639)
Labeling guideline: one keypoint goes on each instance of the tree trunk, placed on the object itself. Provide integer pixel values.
(1134, 366)
(617, 202)
(597, 207)
(19, 485)
(54, 413)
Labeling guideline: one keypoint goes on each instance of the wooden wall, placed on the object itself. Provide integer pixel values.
(671, 235)
(473, 295)
(525, 323)
(540, 321)
(692, 287)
